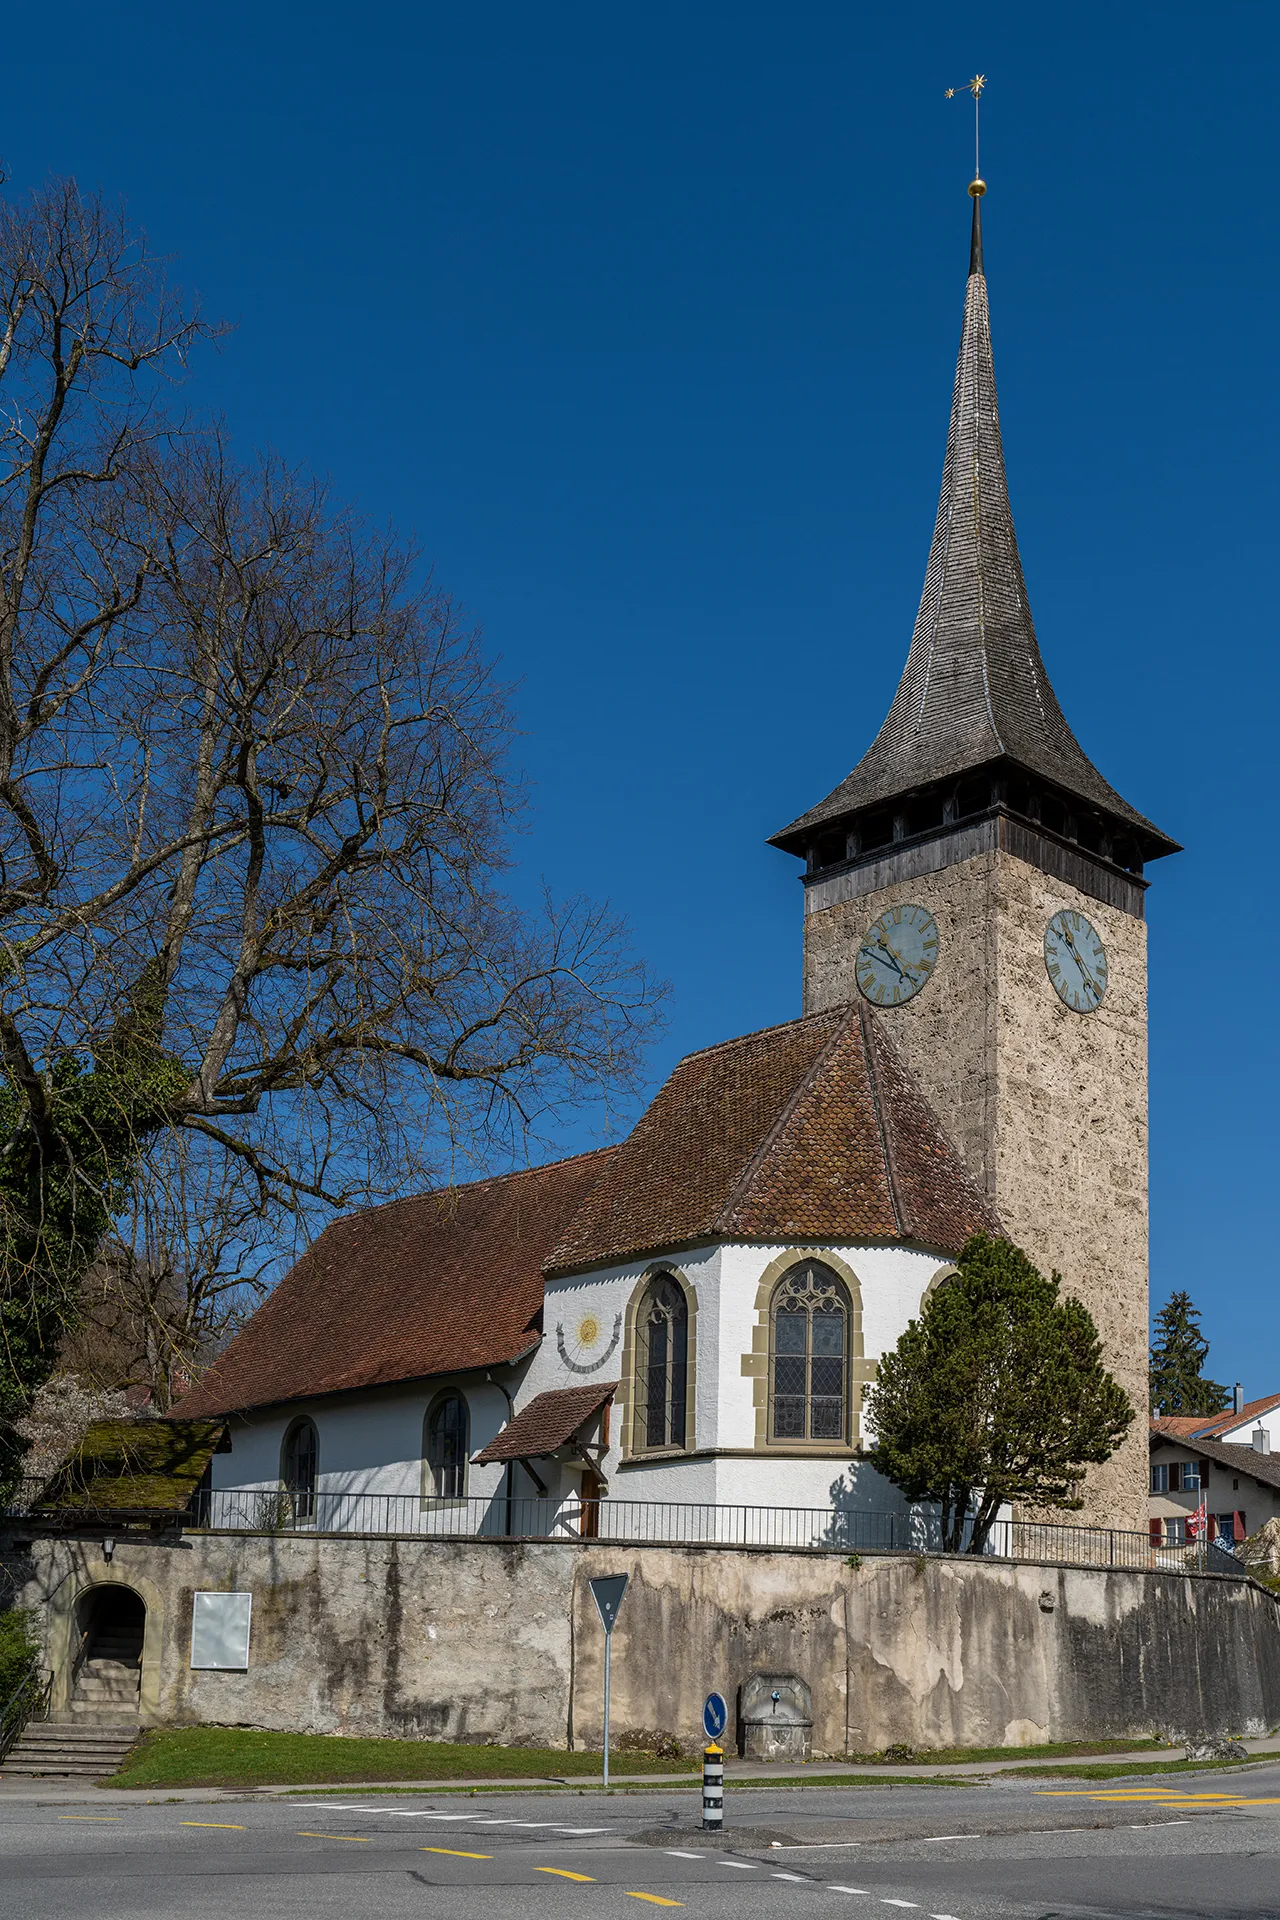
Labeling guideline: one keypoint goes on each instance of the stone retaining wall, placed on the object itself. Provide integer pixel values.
(496, 1641)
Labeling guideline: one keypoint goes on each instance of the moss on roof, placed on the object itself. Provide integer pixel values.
(134, 1466)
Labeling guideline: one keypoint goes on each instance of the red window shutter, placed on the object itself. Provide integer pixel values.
(1237, 1525)
(1155, 1530)
(1204, 1473)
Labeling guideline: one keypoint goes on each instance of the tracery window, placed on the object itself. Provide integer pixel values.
(299, 1465)
(809, 1356)
(662, 1364)
(448, 1426)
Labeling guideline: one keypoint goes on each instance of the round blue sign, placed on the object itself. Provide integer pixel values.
(715, 1716)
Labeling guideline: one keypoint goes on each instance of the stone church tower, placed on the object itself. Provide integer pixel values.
(977, 879)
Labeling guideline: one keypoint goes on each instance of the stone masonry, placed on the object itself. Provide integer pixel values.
(1049, 1107)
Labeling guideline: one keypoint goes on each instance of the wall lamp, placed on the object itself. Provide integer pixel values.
(108, 1547)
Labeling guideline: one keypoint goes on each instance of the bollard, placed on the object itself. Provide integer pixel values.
(712, 1788)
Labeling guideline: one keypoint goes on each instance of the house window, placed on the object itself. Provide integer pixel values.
(446, 1447)
(809, 1356)
(662, 1364)
(1175, 1533)
(1160, 1478)
(299, 1465)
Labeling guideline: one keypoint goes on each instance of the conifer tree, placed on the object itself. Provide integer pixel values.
(1178, 1354)
(996, 1393)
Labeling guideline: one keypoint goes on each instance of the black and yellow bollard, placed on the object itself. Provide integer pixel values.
(712, 1788)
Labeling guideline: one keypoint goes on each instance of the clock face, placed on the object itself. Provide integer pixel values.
(1077, 961)
(898, 953)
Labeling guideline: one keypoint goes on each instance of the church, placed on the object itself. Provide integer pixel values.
(689, 1320)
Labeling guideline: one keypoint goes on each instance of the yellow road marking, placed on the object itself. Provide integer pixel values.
(564, 1873)
(455, 1854)
(656, 1899)
(1162, 1797)
(223, 1826)
(90, 1816)
(360, 1839)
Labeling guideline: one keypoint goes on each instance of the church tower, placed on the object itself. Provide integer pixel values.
(977, 880)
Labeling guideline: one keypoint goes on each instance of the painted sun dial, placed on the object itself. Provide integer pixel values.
(584, 1344)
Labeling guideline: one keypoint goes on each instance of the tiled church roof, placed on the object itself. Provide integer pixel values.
(546, 1423)
(435, 1284)
(974, 690)
(810, 1131)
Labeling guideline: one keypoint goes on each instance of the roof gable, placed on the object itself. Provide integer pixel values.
(439, 1283)
(1190, 1424)
(810, 1131)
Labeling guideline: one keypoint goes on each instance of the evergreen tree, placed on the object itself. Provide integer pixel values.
(1178, 1354)
(996, 1393)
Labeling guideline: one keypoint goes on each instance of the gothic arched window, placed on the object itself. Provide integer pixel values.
(446, 1447)
(662, 1364)
(299, 1466)
(809, 1356)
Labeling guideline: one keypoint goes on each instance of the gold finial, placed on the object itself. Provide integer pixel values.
(974, 87)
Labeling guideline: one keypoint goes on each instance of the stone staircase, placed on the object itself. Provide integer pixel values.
(80, 1749)
(91, 1736)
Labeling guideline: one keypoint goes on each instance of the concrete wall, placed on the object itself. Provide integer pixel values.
(500, 1642)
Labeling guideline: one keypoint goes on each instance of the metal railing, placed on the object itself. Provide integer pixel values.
(29, 1701)
(667, 1523)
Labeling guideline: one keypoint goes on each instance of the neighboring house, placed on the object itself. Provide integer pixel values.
(1223, 1462)
(691, 1316)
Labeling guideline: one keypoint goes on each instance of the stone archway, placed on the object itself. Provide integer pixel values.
(104, 1601)
(106, 1663)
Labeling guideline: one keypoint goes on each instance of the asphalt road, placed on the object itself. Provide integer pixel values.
(1046, 1848)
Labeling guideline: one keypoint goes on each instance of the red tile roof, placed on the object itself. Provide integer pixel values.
(810, 1131)
(547, 1422)
(1185, 1425)
(435, 1284)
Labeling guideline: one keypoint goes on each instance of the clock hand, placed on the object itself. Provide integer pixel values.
(1078, 957)
(900, 959)
(882, 947)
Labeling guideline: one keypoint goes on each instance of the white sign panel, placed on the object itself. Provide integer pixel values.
(220, 1631)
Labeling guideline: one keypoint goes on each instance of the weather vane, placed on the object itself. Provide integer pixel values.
(974, 87)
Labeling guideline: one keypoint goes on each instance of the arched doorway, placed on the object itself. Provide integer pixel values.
(106, 1668)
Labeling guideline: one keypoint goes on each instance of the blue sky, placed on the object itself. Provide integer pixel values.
(644, 320)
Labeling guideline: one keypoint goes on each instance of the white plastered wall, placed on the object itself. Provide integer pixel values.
(723, 1463)
(369, 1442)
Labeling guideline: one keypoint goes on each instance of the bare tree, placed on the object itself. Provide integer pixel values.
(255, 811)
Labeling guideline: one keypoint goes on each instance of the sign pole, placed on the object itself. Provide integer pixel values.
(607, 1591)
(608, 1649)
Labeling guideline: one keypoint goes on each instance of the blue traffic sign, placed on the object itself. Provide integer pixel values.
(715, 1715)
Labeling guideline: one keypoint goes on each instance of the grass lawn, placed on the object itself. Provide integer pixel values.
(244, 1757)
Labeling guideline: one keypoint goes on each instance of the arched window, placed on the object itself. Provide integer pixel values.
(662, 1364)
(809, 1357)
(299, 1465)
(448, 1426)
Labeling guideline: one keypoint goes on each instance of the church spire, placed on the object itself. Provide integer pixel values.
(974, 695)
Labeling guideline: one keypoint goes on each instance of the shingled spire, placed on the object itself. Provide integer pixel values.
(974, 693)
